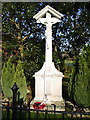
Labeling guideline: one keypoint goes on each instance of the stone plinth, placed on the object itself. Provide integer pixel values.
(48, 85)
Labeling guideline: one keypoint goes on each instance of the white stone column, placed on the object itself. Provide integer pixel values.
(48, 54)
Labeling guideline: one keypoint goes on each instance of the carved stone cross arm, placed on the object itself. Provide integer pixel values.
(48, 19)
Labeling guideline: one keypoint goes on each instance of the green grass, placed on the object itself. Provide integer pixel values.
(41, 116)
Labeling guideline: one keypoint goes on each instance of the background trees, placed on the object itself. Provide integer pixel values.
(19, 33)
(24, 39)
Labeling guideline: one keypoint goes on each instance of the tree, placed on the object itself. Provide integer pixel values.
(12, 74)
(80, 88)
(20, 79)
(7, 82)
(19, 24)
(15, 26)
(20, 38)
(82, 84)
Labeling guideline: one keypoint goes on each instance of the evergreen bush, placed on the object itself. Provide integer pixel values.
(79, 85)
(82, 84)
(12, 74)
(7, 81)
(21, 80)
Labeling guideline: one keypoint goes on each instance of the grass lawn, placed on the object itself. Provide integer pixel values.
(41, 116)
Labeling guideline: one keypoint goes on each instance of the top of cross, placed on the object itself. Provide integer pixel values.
(49, 9)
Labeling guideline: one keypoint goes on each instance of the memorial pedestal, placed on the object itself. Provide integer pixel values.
(48, 85)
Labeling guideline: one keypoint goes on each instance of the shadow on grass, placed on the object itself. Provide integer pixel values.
(39, 116)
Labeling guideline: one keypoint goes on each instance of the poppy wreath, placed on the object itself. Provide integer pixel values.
(39, 105)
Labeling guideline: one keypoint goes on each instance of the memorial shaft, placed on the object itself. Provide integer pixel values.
(48, 34)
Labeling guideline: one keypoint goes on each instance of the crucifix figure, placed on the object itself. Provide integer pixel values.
(48, 21)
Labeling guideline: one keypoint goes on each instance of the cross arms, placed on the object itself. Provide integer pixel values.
(47, 21)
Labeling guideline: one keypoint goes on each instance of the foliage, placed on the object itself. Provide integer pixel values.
(79, 85)
(21, 34)
(7, 82)
(20, 79)
(73, 30)
(10, 75)
(20, 38)
(82, 84)
(71, 85)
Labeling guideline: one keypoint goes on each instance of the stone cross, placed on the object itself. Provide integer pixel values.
(48, 21)
(48, 80)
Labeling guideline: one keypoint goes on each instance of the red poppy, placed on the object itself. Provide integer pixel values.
(39, 105)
